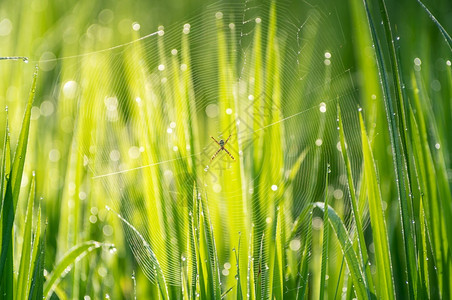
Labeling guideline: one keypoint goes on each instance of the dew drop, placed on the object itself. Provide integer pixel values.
(136, 26)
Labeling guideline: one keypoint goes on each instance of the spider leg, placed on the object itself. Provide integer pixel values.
(216, 153)
(215, 140)
(228, 139)
(229, 153)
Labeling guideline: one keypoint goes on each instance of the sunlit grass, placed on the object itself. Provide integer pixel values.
(339, 185)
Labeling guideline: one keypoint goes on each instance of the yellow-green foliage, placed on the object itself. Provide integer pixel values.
(336, 183)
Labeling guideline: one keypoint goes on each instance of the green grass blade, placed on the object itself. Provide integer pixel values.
(379, 230)
(237, 261)
(21, 150)
(145, 255)
(423, 257)
(303, 280)
(35, 254)
(296, 167)
(298, 223)
(438, 24)
(369, 88)
(278, 261)
(347, 249)
(356, 213)
(397, 144)
(251, 274)
(325, 241)
(23, 276)
(13, 188)
(208, 255)
(37, 281)
(403, 182)
(424, 229)
(65, 263)
(435, 190)
(6, 284)
(226, 292)
(6, 163)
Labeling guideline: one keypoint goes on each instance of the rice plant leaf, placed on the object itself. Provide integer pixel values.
(23, 277)
(436, 192)
(37, 281)
(208, 256)
(423, 231)
(356, 212)
(347, 249)
(438, 24)
(423, 258)
(226, 292)
(237, 260)
(325, 241)
(146, 256)
(6, 284)
(296, 166)
(65, 263)
(6, 163)
(299, 221)
(13, 188)
(277, 263)
(21, 150)
(36, 249)
(398, 146)
(201, 290)
(401, 149)
(380, 233)
(302, 282)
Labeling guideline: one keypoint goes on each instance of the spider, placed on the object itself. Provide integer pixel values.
(221, 143)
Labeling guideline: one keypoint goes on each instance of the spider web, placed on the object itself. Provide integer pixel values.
(144, 125)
